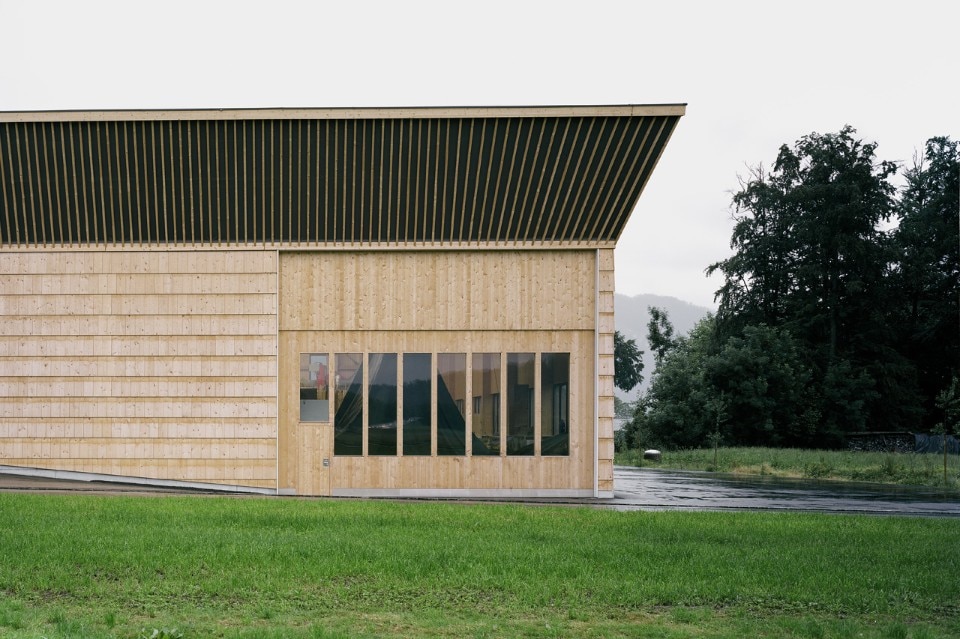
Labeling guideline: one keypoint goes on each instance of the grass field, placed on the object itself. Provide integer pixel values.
(890, 468)
(85, 566)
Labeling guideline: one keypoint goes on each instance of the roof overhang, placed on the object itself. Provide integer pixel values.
(441, 176)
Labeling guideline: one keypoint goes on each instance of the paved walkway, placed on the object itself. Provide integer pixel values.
(646, 489)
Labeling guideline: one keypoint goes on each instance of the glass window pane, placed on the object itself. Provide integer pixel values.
(554, 404)
(348, 404)
(486, 403)
(520, 403)
(314, 394)
(416, 404)
(382, 422)
(451, 403)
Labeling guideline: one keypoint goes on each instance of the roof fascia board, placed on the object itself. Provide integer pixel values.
(346, 113)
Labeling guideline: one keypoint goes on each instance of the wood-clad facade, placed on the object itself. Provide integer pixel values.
(157, 364)
(318, 302)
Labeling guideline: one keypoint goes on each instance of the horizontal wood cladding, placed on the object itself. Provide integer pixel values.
(132, 304)
(145, 427)
(529, 176)
(124, 366)
(169, 406)
(149, 447)
(118, 340)
(183, 284)
(303, 446)
(139, 387)
(239, 327)
(479, 290)
(605, 372)
(65, 303)
(125, 264)
(147, 364)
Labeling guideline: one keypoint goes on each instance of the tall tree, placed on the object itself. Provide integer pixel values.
(811, 257)
(809, 251)
(627, 362)
(660, 334)
(928, 274)
(831, 319)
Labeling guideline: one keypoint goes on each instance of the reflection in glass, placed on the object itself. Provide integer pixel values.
(520, 369)
(486, 403)
(554, 404)
(314, 398)
(382, 422)
(451, 401)
(416, 404)
(348, 404)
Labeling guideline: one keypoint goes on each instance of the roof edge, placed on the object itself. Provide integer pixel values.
(345, 113)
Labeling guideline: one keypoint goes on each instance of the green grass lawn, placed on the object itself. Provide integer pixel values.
(99, 566)
(889, 468)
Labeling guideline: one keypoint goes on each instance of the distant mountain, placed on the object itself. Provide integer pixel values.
(631, 317)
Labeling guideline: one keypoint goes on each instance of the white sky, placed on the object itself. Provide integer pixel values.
(755, 74)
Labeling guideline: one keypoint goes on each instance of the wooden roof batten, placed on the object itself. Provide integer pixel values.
(438, 177)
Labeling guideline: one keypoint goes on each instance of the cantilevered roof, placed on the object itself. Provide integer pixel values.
(327, 177)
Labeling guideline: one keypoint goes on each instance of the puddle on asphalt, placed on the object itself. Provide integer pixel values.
(636, 487)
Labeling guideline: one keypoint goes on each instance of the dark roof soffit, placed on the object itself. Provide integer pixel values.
(441, 180)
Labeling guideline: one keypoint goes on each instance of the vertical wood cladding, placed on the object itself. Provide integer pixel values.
(145, 364)
(438, 290)
(436, 302)
(311, 181)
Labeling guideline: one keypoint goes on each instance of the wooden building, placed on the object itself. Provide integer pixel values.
(317, 301)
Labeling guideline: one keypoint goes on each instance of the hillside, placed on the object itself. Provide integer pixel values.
(631, 320)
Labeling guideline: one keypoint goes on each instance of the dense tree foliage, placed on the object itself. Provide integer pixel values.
(928, 267)
(627, 362)
(839, 311)
(660, 334)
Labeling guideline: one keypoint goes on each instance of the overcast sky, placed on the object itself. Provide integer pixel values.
(754, 75)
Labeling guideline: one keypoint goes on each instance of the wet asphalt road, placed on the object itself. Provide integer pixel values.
(649, 489)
